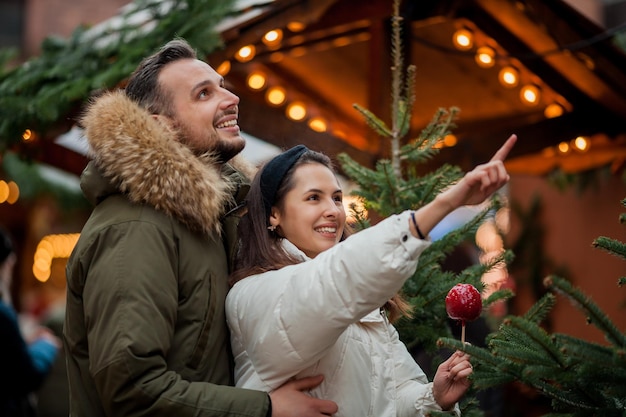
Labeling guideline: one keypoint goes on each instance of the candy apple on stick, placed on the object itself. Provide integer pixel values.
(464, 303)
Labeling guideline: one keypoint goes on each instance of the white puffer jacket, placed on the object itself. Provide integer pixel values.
(323, 317)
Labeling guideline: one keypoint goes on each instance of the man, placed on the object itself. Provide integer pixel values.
(145, 330)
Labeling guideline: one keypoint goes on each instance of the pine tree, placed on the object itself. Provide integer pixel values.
(581, 378)
(396, 184)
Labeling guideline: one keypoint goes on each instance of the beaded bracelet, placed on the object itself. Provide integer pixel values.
(419, 232)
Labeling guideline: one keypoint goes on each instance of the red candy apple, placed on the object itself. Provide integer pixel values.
(464, 303)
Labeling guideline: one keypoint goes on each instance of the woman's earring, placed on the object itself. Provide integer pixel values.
(271, 228)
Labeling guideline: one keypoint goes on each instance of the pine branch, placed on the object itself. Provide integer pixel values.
(408, 101)
(540, 310)
(498, 296)
(612, 246)
(540, 340)
(374, 122)
(47, 87)
(594, 314)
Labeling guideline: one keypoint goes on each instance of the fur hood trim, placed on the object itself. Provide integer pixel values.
(145, 161)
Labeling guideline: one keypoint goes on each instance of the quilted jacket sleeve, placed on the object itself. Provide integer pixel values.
(415, 393)
(286, 320)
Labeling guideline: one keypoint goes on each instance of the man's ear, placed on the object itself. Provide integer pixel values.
(162, 118)
(166, 122)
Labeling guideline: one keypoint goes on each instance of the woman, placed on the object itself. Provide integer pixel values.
(305, 301)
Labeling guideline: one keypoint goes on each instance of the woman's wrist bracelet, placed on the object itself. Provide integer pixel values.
(417, 228)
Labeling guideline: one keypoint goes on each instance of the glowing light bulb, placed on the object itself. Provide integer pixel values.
(246, 53)
(508, 77)
(463, 39)
(273, 37)
(581, 144)
(485, 57)
(318, 124)
(529, 94)
(553, 110)
(256, 80)
(276, 96)
(296, 111)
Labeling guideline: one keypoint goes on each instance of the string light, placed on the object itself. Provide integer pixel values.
(4, 191)
(318, 124)
(563, 147)
(14, 192)
(485, 57)
(508, 76)
(276, 96)
(581, 144)
(296, 26)
(463, 39)
(530, 94)
(50, 247)
(553, 110)
(224, 68)
(9, 192)
(273, 38)
(296, 111)
(28, 135)
(256, 80)
(450, 140)
(245, 53)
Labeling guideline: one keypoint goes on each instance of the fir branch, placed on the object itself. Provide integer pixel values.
(540, 310)
(560, 395)
(46, 88)
(612, 246)
(409, 99)
(374, 122)
(33, 184)
(582, 351)
(595, 315)
(499, 295)
(491, 370)
(540, 338)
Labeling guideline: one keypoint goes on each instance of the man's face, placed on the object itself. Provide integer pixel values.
(205, 112)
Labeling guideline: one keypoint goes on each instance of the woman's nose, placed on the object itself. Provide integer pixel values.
(332, 208)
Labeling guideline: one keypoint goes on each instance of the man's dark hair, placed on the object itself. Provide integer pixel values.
(143, 85)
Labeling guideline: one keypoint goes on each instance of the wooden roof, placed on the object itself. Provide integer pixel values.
(343, 57)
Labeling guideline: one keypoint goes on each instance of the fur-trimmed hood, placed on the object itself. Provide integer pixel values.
(142, 159)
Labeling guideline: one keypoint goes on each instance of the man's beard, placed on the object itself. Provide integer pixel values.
(223, 150)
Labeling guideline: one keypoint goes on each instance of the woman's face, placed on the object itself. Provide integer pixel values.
(313, 216)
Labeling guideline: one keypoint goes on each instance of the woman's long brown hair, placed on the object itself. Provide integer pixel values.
(260, 249)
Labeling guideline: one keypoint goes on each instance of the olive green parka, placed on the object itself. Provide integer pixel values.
(145, 332)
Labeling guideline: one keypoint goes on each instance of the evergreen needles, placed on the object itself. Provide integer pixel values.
(53, 85)
(581, 378)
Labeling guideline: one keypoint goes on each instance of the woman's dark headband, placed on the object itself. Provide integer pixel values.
(274, 172)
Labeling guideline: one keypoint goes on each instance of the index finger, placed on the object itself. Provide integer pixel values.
(505, 149)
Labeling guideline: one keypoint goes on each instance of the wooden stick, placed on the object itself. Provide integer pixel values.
(463, 333)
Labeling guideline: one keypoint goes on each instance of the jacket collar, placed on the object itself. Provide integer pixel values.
(293, 250)
(134, 154)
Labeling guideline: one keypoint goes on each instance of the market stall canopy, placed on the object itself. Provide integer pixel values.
(338, 53)
(327, 55)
